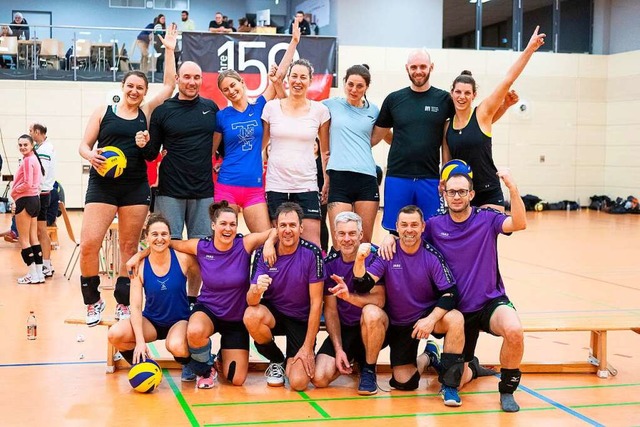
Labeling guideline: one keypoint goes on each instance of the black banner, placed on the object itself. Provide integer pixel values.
(252, 54)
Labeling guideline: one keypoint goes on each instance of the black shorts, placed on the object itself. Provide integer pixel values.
(403, 347)
(351, 344)
(117, 193)
(351, 187)
(161, 331)
(31, 204)
(233, 335)
(308, 201)
(45, 200)
(295, 330)
(489, 196)
(480, 321)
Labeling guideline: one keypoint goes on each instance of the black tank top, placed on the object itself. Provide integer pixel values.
(121, 133)
(474, 147)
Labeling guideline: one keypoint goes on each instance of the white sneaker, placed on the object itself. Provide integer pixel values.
(275, 375)
(28, 279)
(47, 272)
(94, 313)
(122, 312)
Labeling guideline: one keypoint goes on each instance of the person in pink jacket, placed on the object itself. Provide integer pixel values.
(26, 194)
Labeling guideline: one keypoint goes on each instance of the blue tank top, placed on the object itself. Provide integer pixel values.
(165, 296)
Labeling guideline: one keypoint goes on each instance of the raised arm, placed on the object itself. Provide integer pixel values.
(271, 90)
(488, 108)
(169, 78)
(518, 219)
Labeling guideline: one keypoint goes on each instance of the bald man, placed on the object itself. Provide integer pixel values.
(184, 126)
(418, 114)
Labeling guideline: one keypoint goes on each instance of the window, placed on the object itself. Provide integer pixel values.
(171, 4)
(497, 24)
(136, 4)
(459, 24)
(538, 12)
(575, 26)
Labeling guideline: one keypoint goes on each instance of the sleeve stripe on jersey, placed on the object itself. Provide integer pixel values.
(447, 271)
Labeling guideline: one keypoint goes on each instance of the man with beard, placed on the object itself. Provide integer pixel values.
(418, 115)
(467, 237)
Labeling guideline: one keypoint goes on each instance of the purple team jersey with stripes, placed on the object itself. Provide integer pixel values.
(225, 279)
(291, 276)
(348, 313)
(471, 250)
(413, 282)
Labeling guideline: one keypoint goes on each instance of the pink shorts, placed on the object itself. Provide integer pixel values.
(241, 196)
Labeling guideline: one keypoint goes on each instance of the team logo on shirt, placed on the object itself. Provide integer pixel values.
(163, 286)
(209, 257)
(246, 133)
(396, 266)
(431, 108)
(444, 234)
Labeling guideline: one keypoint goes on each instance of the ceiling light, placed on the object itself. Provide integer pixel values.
(476, 1)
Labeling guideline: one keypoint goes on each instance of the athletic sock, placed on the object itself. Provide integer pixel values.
(271, 351)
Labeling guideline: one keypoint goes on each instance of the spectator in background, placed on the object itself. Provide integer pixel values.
(142, 41)
(187, 24)
(19, 26)
(230, 25)
(305, 28)
(5, 31)
(245, 26)
(218, 25)
(159, 29)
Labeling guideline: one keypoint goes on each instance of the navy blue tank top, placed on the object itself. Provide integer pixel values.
(474, 147)
(121, 133)
(165, 296)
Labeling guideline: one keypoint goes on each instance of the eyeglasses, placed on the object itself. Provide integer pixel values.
(461, 193)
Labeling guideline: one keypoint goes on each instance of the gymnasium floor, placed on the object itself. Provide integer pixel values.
(571, 264)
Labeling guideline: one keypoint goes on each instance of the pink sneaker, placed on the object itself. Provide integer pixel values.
(207, 382)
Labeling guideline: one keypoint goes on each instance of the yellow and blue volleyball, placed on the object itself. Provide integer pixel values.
(145, 376)
(455, 167)
(115, 163)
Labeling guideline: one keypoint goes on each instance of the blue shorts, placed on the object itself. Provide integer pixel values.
(192, 212)
(401, 192)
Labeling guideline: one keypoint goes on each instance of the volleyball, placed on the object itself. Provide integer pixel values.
(115, 164)
(455, 167)
(145, 376)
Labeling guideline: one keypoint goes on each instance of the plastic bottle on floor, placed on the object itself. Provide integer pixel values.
(32, 326)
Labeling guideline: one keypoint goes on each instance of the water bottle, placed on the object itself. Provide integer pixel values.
(32, 326)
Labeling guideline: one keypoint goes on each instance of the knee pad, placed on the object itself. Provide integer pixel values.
(182, 360)
(232, 371)
(410, 385)
(452, 369)
(37, 253)
(122, 291)
(27, 256)
(89, 287)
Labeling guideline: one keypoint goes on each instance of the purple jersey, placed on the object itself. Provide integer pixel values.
(291, 276)
(471, 250)
(225, 278)
(413, 282)
(349, 314)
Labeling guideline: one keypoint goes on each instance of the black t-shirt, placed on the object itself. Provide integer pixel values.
(214, 24)
(305, 28)
(185, 129)
(474, 147)
(417, 119)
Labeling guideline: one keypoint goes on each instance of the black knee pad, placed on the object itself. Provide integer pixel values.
(27, 256)
(509, 380)
(182, 360)
(122, 291)
(232, 371)
(410, 385)
(37, 253)
(89, 287)
(452, 369)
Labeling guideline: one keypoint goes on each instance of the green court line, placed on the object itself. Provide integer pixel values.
(600, 405)
(314, 405)
(336, 399)
(579, 387)
(181, 400)
(371, 417)
(176, 391)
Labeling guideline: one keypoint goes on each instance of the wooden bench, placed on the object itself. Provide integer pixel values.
(596, 324)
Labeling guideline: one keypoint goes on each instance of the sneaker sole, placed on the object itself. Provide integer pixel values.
(367, 392)
(187, 380)
(452, 403)
(275, 384)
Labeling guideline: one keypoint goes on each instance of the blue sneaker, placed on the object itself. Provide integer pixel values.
(187, 374)
(432, 350)
(368, 384)
(450, 396)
